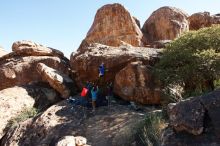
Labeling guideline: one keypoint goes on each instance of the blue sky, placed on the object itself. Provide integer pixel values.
(62, 24)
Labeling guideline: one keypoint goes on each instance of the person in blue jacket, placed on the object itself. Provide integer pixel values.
(101, 70)
(94, 93)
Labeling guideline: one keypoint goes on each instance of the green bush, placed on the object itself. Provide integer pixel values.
(151, 129)
(24, 115)
(192, 61)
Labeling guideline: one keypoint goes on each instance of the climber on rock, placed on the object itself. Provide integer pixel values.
(101, 70)
(94, 93)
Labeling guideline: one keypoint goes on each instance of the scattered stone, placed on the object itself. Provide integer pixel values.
(67, 141)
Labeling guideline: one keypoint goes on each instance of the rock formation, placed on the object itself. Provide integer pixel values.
(114, 25)
(85, 64)
(194, 121)
(136, 83)
(15, 100)
(57, 80)
(166, 23)
(59, 121)
(202, 19)
(19, 67)
(29, 48)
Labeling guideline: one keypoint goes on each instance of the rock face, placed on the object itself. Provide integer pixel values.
(166, 23)
(19, 67)
(114, 25)
(191, 117)
(85, 63)
(14, 100)
(211, 104)
(57, 80)
(136, 83)
(198, 117)
(59, 121)
(202, 19)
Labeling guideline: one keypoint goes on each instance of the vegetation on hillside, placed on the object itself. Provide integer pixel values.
(24, 115)
(192, 61)
(151, 129)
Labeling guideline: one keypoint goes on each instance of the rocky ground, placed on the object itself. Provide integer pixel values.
(116, 126)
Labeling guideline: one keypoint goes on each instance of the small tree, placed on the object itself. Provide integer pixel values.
(192, 61)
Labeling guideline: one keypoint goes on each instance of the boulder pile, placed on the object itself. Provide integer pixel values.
(194, 121)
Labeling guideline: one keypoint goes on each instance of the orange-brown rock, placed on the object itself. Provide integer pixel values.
(136, 83)
(114, 25)
(58, 80)
(166, 23)
(202, 19)
(30, 48)
(85, 64)
(19, 66)
(22, 70)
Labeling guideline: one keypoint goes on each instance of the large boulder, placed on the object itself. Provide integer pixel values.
(194, 122)
(202, 19)
(30, 48)
(19, 67)
(85, 63)
(211, 103)
(187, 116)
(114, 25)
(117, 126)
(166, 23)
(56, 79)
(22, 70)
(15, 100)
(136, 83)
(172, 138)
(216, 19)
